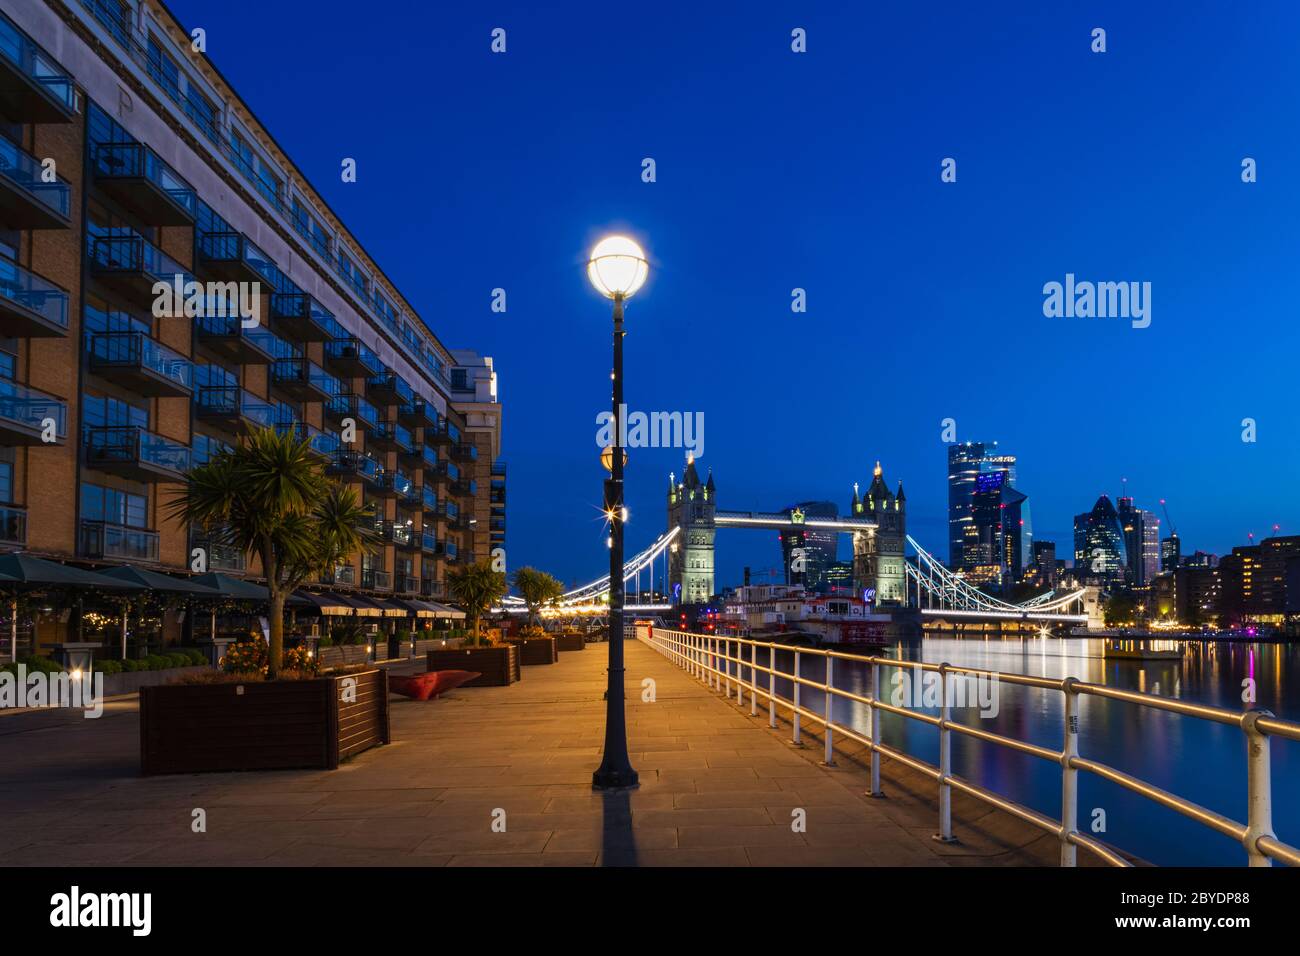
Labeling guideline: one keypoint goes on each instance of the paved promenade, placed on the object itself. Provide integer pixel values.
(717, 788)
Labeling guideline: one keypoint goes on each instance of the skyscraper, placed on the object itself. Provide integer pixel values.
(997, 538)
(820, 548)
(966, 462)
(1100, 549)
(1141, 541)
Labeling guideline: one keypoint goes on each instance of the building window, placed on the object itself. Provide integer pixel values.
(201, 111)
(163, 70)
(99, 503)
(115, 15)
(8, 365)
(6, 481)
(101, 411)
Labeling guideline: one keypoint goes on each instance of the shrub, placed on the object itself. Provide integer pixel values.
(325, 641)
(108, 667)
(299, 659)
(45, 665)
(245, 657)
(531, 630)
(130, 665)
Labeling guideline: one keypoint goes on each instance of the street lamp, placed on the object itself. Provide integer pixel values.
(617, 269)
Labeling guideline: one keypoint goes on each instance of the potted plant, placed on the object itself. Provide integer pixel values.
(535, 646)
(477, 588)
(241, 719)
(270, 497)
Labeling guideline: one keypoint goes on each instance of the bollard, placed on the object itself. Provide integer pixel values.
(795, 740)
(1070, 776)
(829, 759)
(875, 730)
(945, 761)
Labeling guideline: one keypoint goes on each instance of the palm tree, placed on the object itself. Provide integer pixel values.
(269, 497)
(476, 587)
(537, 588)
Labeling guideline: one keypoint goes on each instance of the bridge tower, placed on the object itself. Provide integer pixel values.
(691, 506)
(878, 555)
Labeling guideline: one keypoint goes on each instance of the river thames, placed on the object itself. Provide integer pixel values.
(1197, 759)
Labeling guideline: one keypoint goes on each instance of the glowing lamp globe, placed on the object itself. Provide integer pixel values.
(617, 267)
(607, 458)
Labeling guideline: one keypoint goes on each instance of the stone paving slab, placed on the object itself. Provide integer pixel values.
(718, 788)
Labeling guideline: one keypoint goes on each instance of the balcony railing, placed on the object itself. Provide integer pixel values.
(429, 500)
(233, 257)
(135, 175)
(354, 464)
(432, 589)
(321, 443)
(352, 358)
(303, 379)
(138, 361)
(227, 336)
(464, 452)
(349, 405)
(26, 200)
(343, 574)
(34, 88)
(104, 539)
(389, 388)
(376, 580)
(130, 264)
(428, 542)
(301, 317)
(406, 584)
(26, 415)
(397, 485)
(221, 557)
(136, 453)
(232, 407)
(30, 306)
(13, 524)
(390, 437)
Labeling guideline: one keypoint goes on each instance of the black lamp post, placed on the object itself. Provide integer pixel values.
(617, 268)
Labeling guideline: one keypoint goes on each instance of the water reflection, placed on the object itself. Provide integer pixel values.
(1197, 759)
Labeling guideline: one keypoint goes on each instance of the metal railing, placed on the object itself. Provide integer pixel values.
(710, 659)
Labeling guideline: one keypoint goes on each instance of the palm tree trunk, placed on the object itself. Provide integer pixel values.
(276, 657)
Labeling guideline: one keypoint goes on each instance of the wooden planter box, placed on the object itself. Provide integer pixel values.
(535, 650)
(498, 664)
(342, 654)
(570, 642)
(278, 725)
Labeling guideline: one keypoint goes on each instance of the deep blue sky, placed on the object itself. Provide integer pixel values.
(821, 171)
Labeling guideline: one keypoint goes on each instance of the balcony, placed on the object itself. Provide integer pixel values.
(447, 473)
(321, 443)
(499, 470)
(402, 535)
(416, 414)
(351, 359)
(231, 257)
(429, 588)
(394, 484)
(429, 543)
(34, 88)
(445, 434)
(131, 266)
(105, 540)
(26, 202)
(30, 307)
(429, 501)
(343, 574)
(231, 409)
(300, 317)
(464, 452)
(135, 176)
(450, 551)
(133, 452)
(390, 437)
(406, 584)
(226, 336)
(348, 405)
(354, 466)
(13, 525)
(303, 379)
(464, 487)
(26, 414)
(145, 366)
(376, 580)
(497, 496)
(389, 388)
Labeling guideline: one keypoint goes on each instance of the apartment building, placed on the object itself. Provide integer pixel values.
(474, 397)
(127, 160)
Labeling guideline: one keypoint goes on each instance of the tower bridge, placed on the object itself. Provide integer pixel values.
(882, 570)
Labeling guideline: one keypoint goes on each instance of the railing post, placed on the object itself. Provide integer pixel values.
(829, 758)
(753, 679)
(795, 737)
(714, 680)
(726, 666)
(875, 730)
(1259, 782)
(1069, 775)
(771, 684)
(945, 761)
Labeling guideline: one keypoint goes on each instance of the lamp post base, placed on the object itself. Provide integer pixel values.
(615, 778)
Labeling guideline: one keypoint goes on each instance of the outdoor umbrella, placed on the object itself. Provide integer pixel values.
(237, 589)
(25, 572)
(153, 581)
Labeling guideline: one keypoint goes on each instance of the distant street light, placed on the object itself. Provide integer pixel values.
(617, 269)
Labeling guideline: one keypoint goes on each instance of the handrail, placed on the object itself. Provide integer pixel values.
(710, 659)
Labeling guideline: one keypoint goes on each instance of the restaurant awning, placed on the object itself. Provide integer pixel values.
(387, 607)
(416, 607)
(442, 610)
(154, 581)
(237, 589)
(363, 607)
(20, 570)
(329, 605)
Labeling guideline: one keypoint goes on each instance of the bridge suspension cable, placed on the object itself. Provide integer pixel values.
(955, 593)
(588, 593)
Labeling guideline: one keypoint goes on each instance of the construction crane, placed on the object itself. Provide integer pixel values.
(1173, 532)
